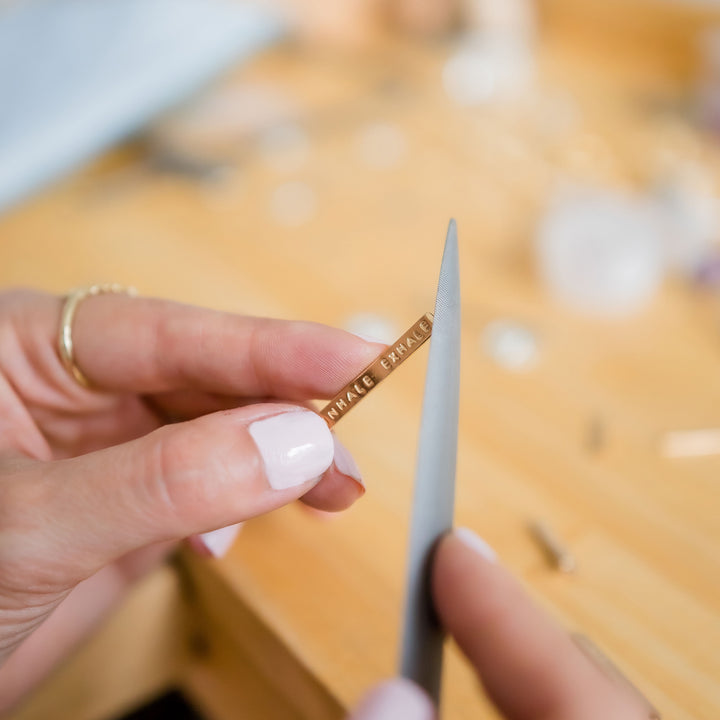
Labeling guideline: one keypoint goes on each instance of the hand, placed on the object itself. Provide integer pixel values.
(530, 668)
(95, 485)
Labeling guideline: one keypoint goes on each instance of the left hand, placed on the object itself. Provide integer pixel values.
(96, 485)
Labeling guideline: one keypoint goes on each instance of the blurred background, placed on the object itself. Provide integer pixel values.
(301, 159)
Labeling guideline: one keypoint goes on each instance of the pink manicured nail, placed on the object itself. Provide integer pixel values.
(295, 446)
(476, 543)
(345, 462)
(219, 541)
(397, 699)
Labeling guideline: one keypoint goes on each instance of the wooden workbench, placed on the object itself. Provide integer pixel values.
(303, 614)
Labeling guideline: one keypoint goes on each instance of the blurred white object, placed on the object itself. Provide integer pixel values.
(293, 204)
(78, 75)
(216, 123)
(601, 251)
(502, 17)
(372, 327)
(486, 68)
(690, 215)
(511, 345)
(285, 147)
(381, 145)
(496, 60)
(690, 443)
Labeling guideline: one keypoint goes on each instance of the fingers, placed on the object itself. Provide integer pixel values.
(528, 665)
(78, 514)
(341, 486)
(178, 405)
(397, 699)
(149, 346)
(335, 493)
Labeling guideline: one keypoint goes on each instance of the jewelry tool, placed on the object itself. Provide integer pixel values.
(434, 496)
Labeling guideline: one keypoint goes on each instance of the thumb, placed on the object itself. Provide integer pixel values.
(76, 515)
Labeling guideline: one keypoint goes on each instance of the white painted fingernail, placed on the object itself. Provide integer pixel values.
(397, 699)
(369, 338)
(345, 462)
(219, 541)
(476, 543)
(375, 328)
(295, 447)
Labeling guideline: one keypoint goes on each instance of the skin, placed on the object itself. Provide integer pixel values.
(528, 665)
(98, 485)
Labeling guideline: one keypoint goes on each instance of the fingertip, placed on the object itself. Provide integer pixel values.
(322, 516)
(526, 662)
(335, 492)
(474, 542)
(345, 462)
(340, 486)
(370, 339)
(295, 447)
(461, 554)
(394, 700)
(364, 348)
(469, 588)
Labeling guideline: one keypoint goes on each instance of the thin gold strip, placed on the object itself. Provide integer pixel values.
(378, 370)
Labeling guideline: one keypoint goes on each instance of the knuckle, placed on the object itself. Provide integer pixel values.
(162, 329)
(174, 479)
(22, 305)
(14, 297)
(173, 331)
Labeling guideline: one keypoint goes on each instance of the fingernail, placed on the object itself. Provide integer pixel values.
(295, 446)
(370, 338)
(345, 462)
(476, 543)
(393, 700)
(219, 541)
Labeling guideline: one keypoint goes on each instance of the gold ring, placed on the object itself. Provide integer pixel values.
(65, 341)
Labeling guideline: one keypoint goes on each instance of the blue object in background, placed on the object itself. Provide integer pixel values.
(79, 75)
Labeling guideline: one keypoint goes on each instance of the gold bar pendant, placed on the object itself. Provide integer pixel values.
(378, 370)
